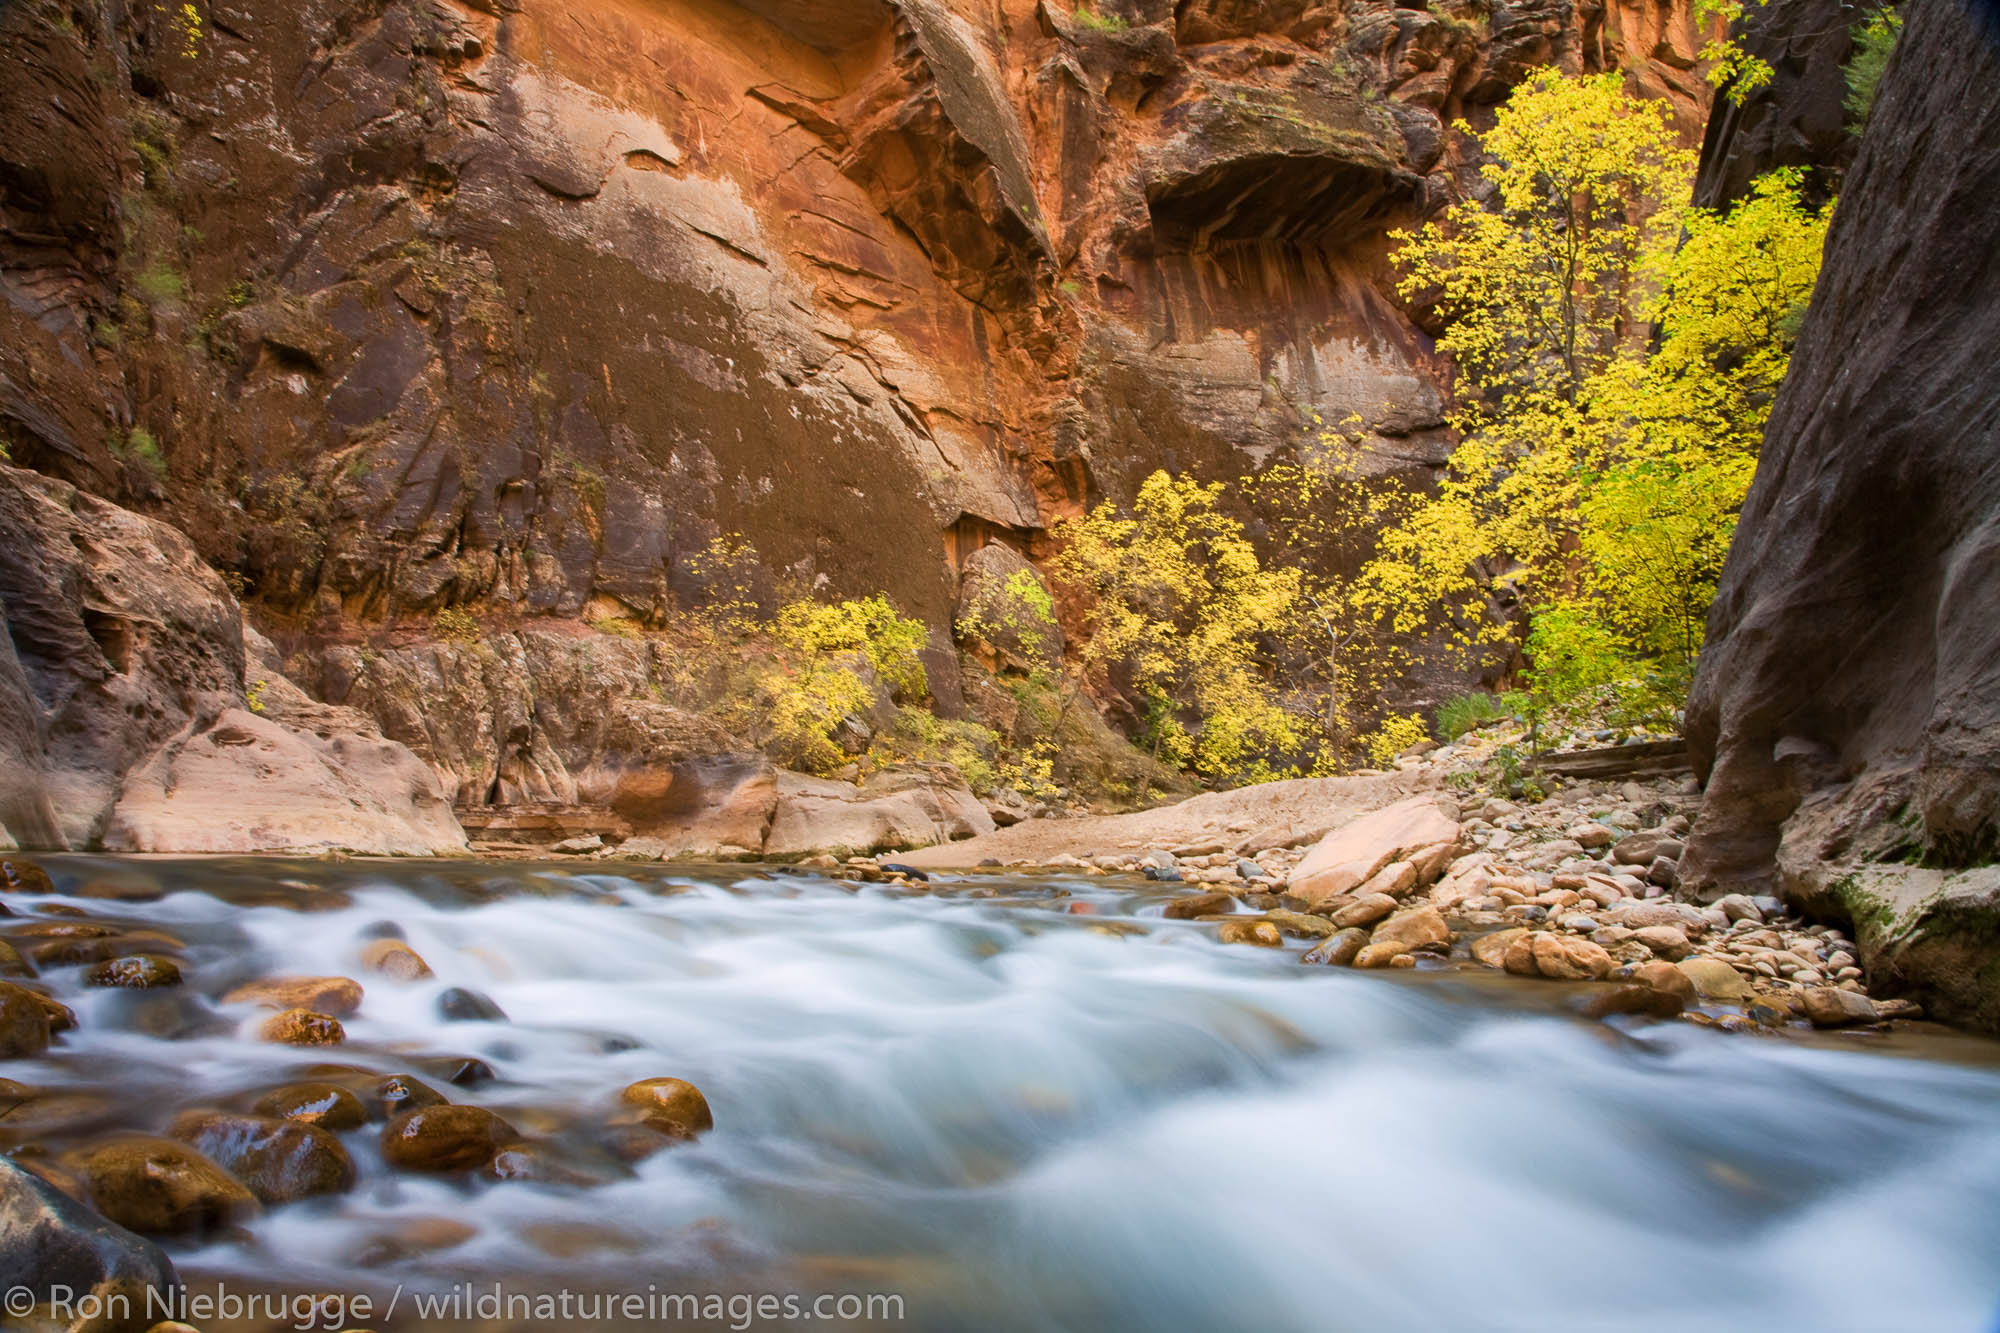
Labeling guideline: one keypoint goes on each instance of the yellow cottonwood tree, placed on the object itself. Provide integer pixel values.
(1173, 603)
(1598, 477)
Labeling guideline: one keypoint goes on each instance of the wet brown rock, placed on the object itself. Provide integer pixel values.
(11, 962)
(1197, 905)
(445, 1138)
(280, 1160)
(1365, 911)
(335, 996)
(410, 1238)
(61, 1017)
(1632, 999)
(100, 944)
(51, 1240)
(1260, 933)
(400, 1092)
(1565, 958)
(1668, 942)
(158, 1187)
(393, 958)
(1300, 925)
(1338, 950)
(1831, 1007)
(671, 1105)
(144, 971)
(327, 1105)
(545, 1164)
(1382, 953)
(20, 876)
(302, 1027)
(1715, 979)
(1491, 949)
(1665, 977)
(1419, 928)
(24, 1023)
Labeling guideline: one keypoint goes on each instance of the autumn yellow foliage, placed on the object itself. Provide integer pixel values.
(1600, 468)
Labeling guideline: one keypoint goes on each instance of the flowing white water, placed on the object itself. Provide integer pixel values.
(1016, 1121)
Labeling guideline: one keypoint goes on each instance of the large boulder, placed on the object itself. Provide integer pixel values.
(139, 720)
(53, 1243)
(1846, 710)
(244, 783)
(915, 805)
(1422, 830)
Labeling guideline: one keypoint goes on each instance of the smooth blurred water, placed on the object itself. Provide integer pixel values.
(1018, 1120)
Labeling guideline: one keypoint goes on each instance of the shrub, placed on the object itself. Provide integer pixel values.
(455, 624)
(1396, 734)
(1468, 712)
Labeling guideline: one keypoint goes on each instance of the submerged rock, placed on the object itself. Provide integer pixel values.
(327, 1105)
(335, 996)
(393, 958)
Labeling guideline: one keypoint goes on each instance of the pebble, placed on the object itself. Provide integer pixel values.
(1668, 942)
(327, 1105)
(1417, 928)
(1381, 954)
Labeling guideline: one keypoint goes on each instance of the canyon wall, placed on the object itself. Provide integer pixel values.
(1847, 707)
(515, 306)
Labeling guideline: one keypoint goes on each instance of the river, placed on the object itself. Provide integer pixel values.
(1031, 1103)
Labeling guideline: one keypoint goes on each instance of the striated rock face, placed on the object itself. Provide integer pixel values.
(424, 304)
(123, 703)
(1847, 707)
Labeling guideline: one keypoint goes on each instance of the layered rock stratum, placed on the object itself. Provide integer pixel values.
(514, 307)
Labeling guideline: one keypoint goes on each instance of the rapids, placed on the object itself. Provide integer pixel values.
(1014, 1116)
